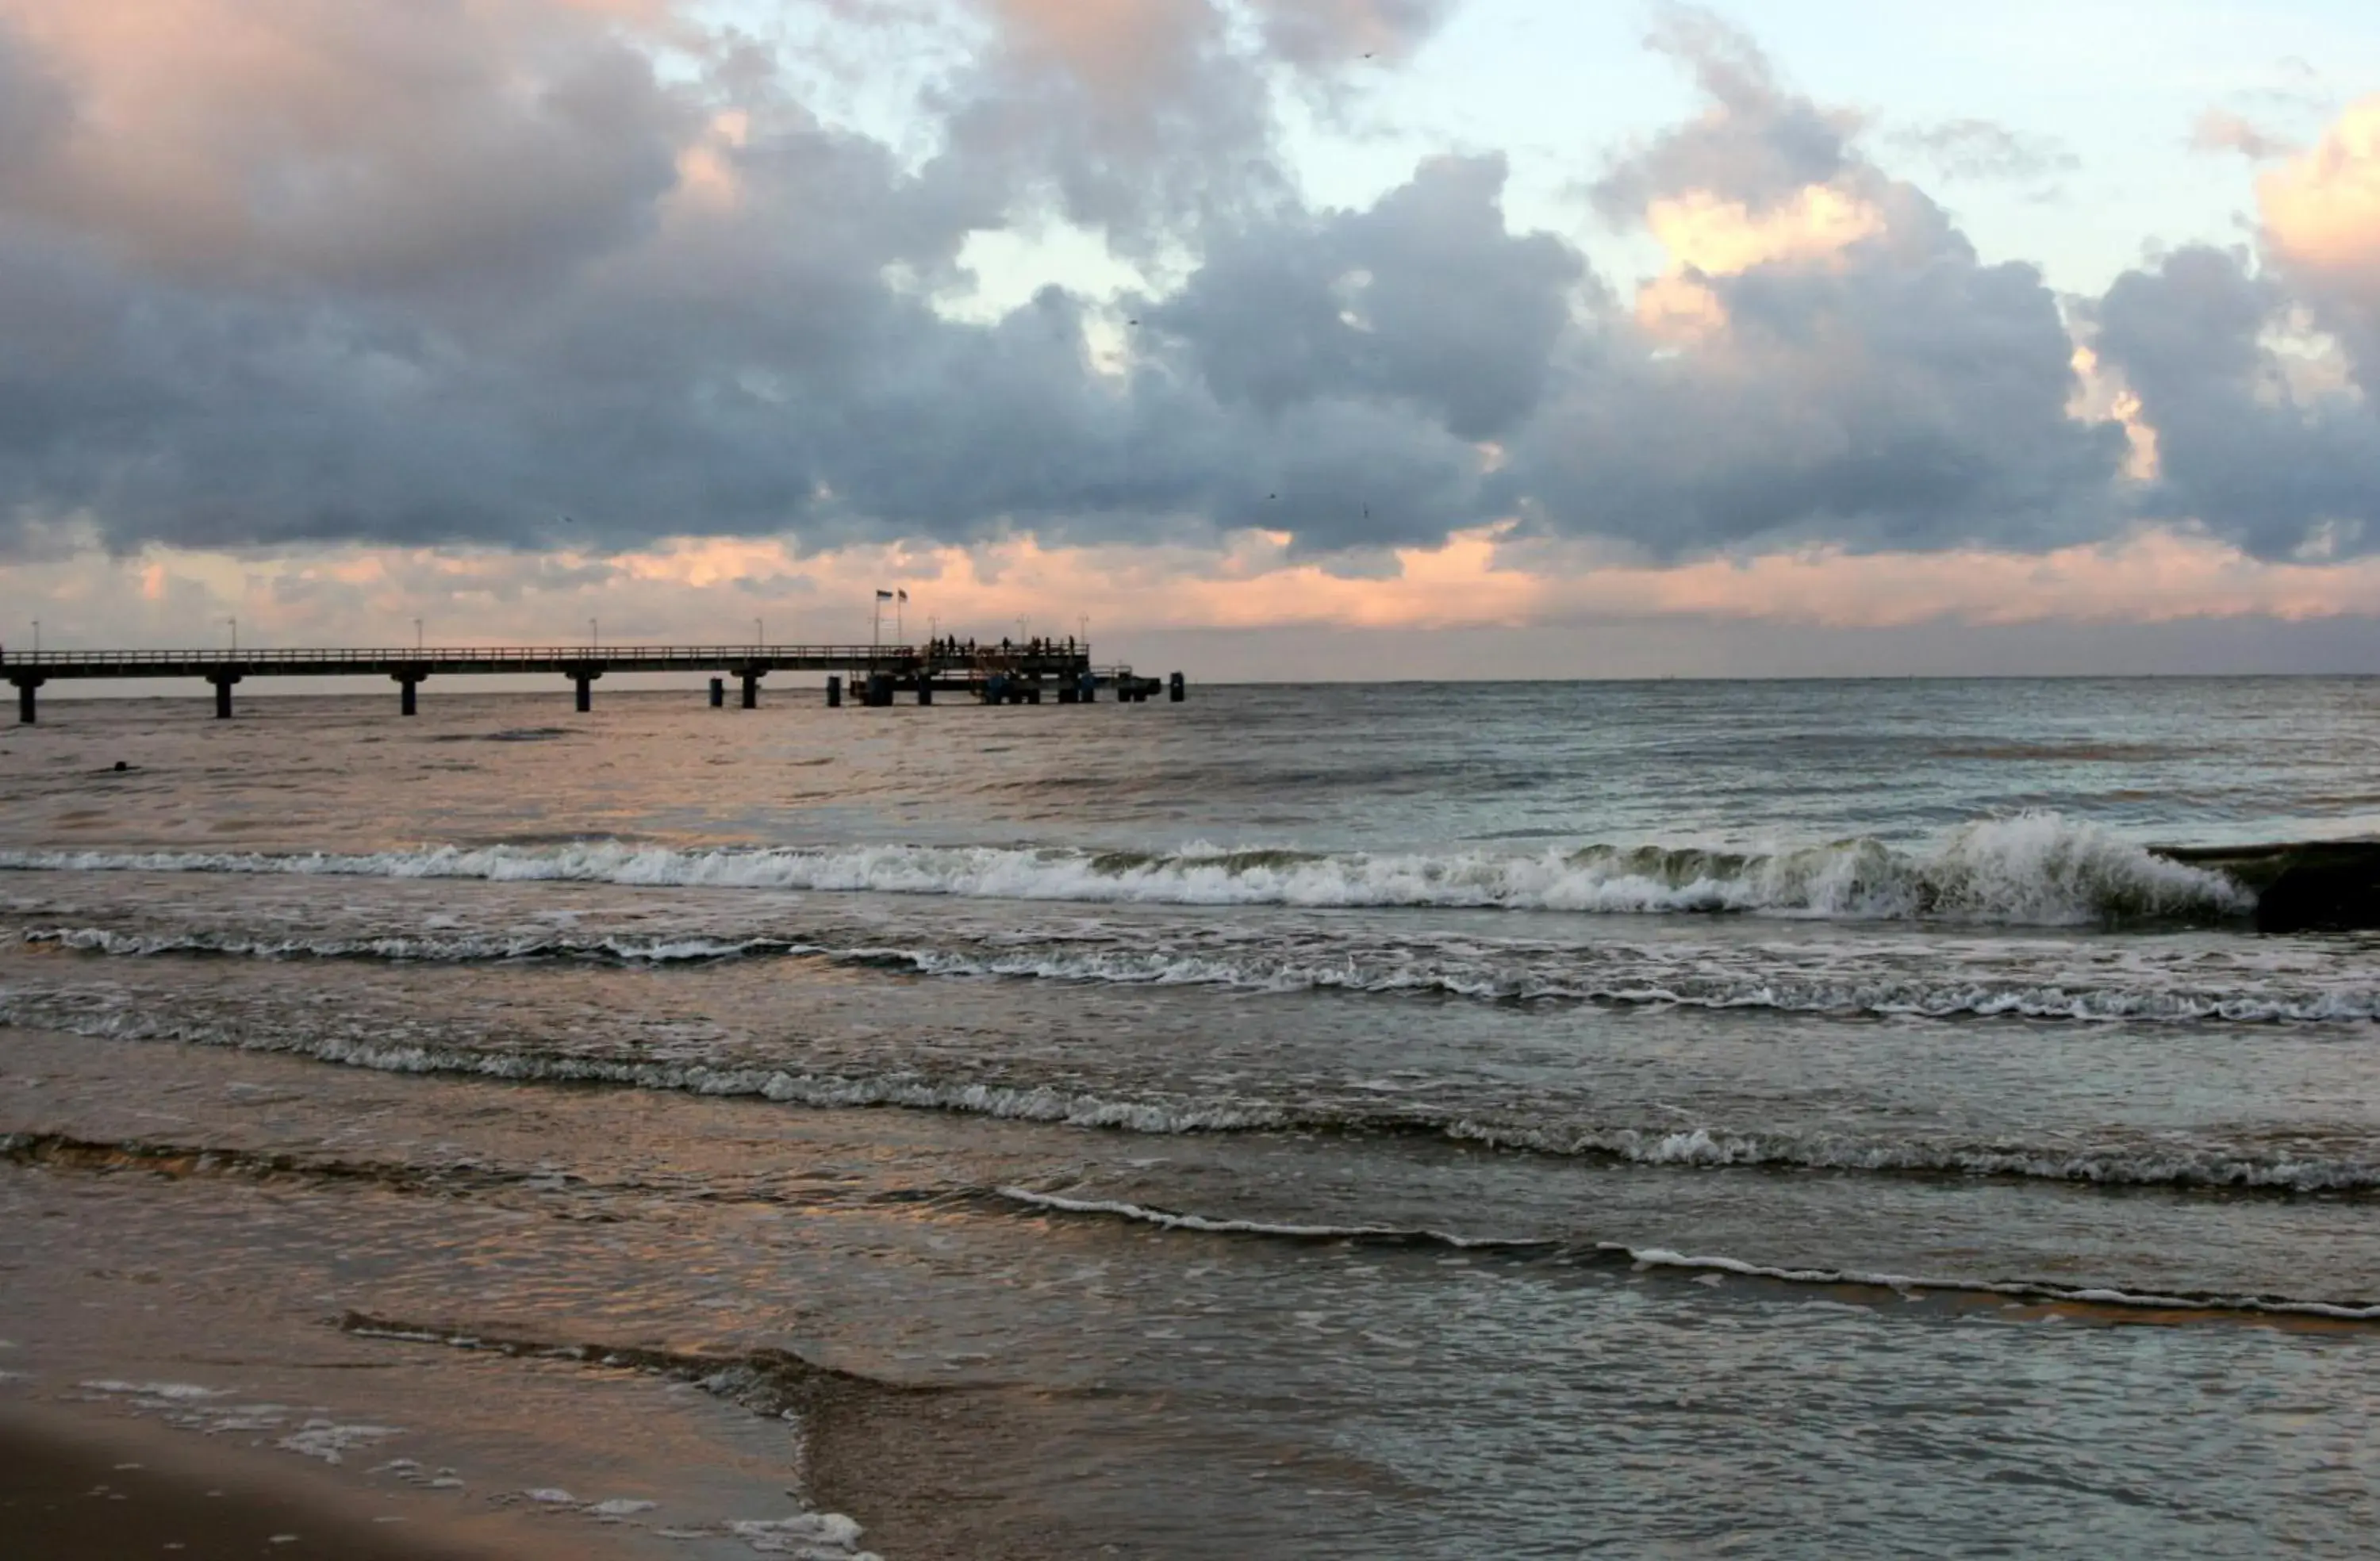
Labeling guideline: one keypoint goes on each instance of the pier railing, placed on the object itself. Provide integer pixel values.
(368, 659)
(1000, 673)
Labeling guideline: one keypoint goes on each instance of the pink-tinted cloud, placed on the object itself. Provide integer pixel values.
(2321, 208)
(712, 589)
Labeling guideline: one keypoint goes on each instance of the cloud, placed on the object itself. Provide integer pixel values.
(293, 142)
(2242, 452)
(1425, 298)
(2221, 131)
(1754, 144)
(1982, 148)
(1826, 358)
(1319, 34)
(561, 275)
(2263, 381)
(2322, 225)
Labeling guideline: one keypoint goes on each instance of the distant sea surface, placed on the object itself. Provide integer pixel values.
(1435, 1122)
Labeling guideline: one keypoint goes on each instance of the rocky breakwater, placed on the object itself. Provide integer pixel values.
(2312, 886)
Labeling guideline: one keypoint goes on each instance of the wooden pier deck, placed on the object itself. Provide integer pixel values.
(877, 675)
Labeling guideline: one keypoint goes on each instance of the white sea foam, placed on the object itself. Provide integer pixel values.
(400, 950)
(1696, 1147)
(331, 1441)
(1168, 1220)
(1612, 975)
(2096, 1295)
(175, 1392)
(1645, 1258)
(2034, 868)
(620, 1506)
(812, 1536)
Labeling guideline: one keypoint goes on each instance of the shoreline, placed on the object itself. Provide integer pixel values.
(75, 1485)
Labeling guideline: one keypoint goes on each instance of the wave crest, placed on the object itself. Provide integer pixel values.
(2029, 869)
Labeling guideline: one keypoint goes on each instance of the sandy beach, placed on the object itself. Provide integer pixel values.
(81, 1487)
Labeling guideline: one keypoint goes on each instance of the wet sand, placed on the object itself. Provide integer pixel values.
(86, 1487)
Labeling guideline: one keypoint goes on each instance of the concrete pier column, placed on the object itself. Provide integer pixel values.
(926, 688)
(1067, 692)
(718, 694)
(222, 682)
(751, 691)
(995, 688)
(834, 692)
(880, 689)
(1087, 688)
(585, 681)
(1174, 688)
(407, 683)
(25, 687)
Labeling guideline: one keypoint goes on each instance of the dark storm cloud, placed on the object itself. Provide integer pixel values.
(1893, 391)
(1425, 298)
(489, 274)
(1880, 405)
(613, 355)
(2241, 451)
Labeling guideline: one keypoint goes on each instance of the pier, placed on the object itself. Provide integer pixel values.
(875, 675)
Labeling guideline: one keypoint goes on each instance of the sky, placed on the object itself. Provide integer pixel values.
(1265, 338)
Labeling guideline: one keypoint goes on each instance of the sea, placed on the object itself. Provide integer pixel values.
(1664, 1118)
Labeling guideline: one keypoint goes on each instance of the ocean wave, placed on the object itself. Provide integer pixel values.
(1371, 1235)
(416, 949)
(1644, 1259)
(1702, 1147)
(1613, 977)
(2030, 869)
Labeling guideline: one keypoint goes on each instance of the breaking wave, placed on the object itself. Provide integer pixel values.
(2029, 869)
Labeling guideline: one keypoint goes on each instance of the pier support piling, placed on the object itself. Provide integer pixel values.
(924, 688)
(834, 693)
(25, 687)
(407, 683)
(751, 691)
(585, 681)
(718, 694)
(222, 682)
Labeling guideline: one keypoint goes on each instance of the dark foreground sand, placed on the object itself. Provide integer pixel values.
(75, 1488)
